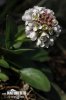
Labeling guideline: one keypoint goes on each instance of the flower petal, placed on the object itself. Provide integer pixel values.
(38, 42)
(33, 36)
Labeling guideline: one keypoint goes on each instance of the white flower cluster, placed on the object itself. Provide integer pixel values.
(41, 26)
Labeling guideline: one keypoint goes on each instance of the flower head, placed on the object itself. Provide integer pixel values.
(41, 26)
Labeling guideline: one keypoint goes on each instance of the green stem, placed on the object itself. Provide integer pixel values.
(16, 70)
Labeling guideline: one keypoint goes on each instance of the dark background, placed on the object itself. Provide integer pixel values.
(17, 7)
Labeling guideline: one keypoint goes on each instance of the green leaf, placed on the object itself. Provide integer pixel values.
(41, 56)
(35, 78)
(20, 36)
(19, 51)
(3, 63)
(11, 30)
(3, 77)
(17, 45)
(57, 88)
(21, 29)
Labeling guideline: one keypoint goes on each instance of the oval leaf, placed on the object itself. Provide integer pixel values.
(3, 63)
(36, 79)
(3, 77)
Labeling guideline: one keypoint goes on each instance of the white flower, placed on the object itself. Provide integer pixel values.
(51, 42)
(32, 35)
(38, 42)
(41, 26)
(27, 16)
(35, 28)
(38, 8)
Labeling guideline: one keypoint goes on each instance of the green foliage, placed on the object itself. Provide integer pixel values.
(35, 78)
(3, 63)
(20, 37)
(3, 77)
